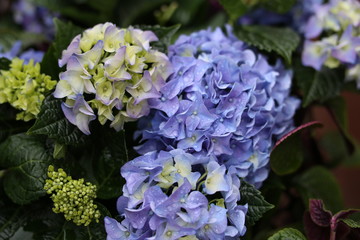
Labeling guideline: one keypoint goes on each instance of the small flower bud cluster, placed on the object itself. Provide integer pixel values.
(333, 37)
(116, 71)
(24, 87)
(72, 197)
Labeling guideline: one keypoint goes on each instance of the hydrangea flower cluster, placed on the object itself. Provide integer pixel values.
(34, 18)
(113, 71)
(24, 87)
(214, 124)
(223, 99)
(72, 197)
(170, 195)
(333, 37)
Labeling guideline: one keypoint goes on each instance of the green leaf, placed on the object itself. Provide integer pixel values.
(319, 183)
(257, 205)
(46, 225)
(59, 150)
(4, 63)
(334, 145)
(49, 63)
(288, 155)
(324, 85)
(107, 167)
(11, 218)
(337, 108)
(351, 223)
(27, 161)
(234, 8)
(135, 11)
(287, 234)
(164, 35)
(280, 6)
(52, 123)
(8, 124)
(283, 41)
(9, 35)
(354, 159)
(64, 34)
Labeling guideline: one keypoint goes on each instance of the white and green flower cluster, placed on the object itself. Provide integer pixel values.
(333, 37)
(24, 88)
(111, 73)
(72, 197)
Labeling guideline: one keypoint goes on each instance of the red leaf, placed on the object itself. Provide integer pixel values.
(319, 215)
(314, 231)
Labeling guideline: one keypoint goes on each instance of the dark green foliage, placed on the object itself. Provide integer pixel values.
(257, 205)
(26, 160)
(164, 35)
(52, 123)
(288, 234)
(318, 182)
(282, 41)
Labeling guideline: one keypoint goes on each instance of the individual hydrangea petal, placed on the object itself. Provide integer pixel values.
(215, 181)
(72, 48)
(353, 73)
(63, 89)
(217, 224)
(314, 54)
(346, 50)
(237, 217)
(113, 38)
(80, 114)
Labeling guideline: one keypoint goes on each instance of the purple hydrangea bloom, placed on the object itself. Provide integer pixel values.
(167, 196)
(223, 99)
(26, 55)
(34, 18)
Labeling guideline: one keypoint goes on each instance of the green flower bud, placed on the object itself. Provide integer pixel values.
(73, 198)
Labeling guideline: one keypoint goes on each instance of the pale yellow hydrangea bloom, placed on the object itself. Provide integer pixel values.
(23, 86)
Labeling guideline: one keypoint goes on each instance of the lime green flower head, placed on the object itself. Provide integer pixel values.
(24, 88)
(72, 197)
(118, 72)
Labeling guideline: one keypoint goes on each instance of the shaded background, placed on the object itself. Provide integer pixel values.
(347, 174)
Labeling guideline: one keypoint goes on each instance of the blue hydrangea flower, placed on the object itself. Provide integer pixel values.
(296, 18)
(169, 195)
(27, 55)
(222, 99)
(35, 19)
(117, 71)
